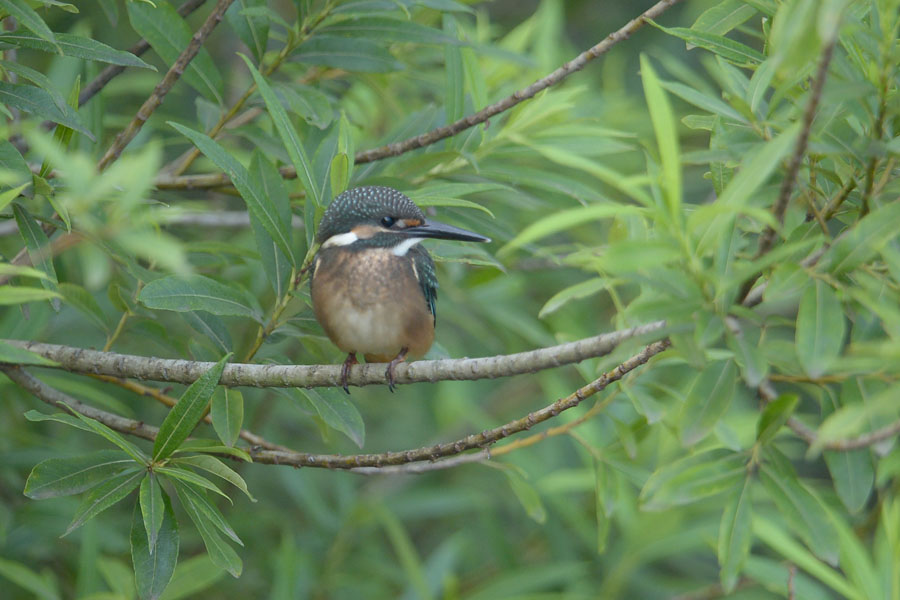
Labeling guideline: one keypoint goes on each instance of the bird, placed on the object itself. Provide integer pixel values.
(373, 287)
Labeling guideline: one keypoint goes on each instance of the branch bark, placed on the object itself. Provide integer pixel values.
(426, 139)
(93, 362)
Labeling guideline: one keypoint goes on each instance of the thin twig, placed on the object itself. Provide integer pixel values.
(81, 360)
(336, 461)
(426, 139)
(165, 85)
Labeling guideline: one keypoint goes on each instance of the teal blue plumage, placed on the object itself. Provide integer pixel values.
(426, 276)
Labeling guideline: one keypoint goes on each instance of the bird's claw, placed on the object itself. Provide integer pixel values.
(345, 370)
(389, 373)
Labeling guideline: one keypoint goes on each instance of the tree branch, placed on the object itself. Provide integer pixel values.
(336, 461)
(426, 139)
(81, 360)
(163, 87)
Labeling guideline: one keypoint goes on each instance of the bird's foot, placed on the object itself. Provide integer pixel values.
(345, 370)
(389, 373)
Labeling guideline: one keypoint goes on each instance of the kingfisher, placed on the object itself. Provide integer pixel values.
(373, 287)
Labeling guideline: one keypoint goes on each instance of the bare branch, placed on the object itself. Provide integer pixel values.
(163, 87)
(81, 360)
(426, 139)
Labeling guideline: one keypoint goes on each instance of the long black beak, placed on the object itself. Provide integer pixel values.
(442, 231)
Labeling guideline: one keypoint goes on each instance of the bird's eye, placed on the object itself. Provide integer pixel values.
(388, 221)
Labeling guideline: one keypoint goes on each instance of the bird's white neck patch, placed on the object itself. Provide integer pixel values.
(403, 247)
(341, 239)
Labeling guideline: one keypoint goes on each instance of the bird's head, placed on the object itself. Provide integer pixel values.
(374, 216)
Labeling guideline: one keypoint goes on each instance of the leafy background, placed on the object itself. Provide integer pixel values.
(756, 458)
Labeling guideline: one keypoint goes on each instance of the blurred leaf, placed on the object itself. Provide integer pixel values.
(723, 17)
(19, 356)
(707, 400)
(152, 508)
(307, 102)
(215, 466)
(387, 29)
(105, 495)
(757, 166)
(154, 562)
(82, 300)
(701, 100)
(863, 241)
(289, 138)
(19, 295)
(212, 327)
(527, 495)
(338, 412)
(221, 554)
(603, 506)
(820, 328)
(253, 30)
(27, 17)
(727, 48)
(774, 416)
(227, 414)
(354, 55)
(77, 47)
(735, 536)
(265, 177)
(256, 203)
(169, 35)
(42, 585)
(564, 220)
(39, 251)
(111, 10)
(192, 575)
(666, 139)
(856, 417)
(584, 289)
(853, 475)
(196, 292)
(74, 474)
(185, 415)
(693, 478)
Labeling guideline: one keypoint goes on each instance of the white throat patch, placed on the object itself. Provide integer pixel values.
(341, 239)
(403, 247)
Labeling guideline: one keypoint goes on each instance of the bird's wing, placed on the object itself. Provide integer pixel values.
(426, 276)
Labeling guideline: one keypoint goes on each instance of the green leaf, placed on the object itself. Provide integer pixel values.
(288, 135)
(432, 200)
(174, 474)
(74, 474)
(112, 436)
(708, 400)
(856, 417)
(774, 416)
(252, 30)
(339, 173)
(154, 562)
(528, 496)
(603, 504)
(336, 410)
(387, 29)
(77, 47)
(103, 496)
(169, 35)
(219, 551)
(42, 585)
(693, 478)
(212, 447)
(756, 168)
(256, 204)
(701, 100)
(863, 241)
(584, 289)
(212, 327)
(19, 356)
(723, 17)
(666, 137)
(820, 328)
(19, 295)
(735, 536)
(27, 17)
(265, 177)
(227, 414)
(196, 292)
(82, 300)
(213, 465)
(151, 500)
(853, 475)
(727, 48)
(192, 576)
(39, 251)
(67, 419)
(354, 55)
(187, 412)
(189, 494)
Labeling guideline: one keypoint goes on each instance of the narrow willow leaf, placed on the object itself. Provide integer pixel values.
(219, 551)
(212, 447)
(707, 400)
(337, 412)
(113, 436)
(863, 241)
(252, 30)
(666, 133)
(27, 17)
(20, 295)
(454, 84)
(174, 474)
(433, 200)
(339, 173)
(169, 35)
(757, 167)
(155, 562)
(266, 178)
(701, 100)
(239, 176)
(354, 55)
(693, 478)
(584, 289)
(820, 328)
(66, 419)
(10, 195)
(774, 416)
(603, 505)
(227, 414)
(528, 496)
(42, 585)
(78, 47)
(723, 17)
(81, 299)
(730, 50)
(103, 496)
(38, 245)
(74, 474)
(735, 536)
(196, 292)
(19, 356)
(387, 29)
(150, 499)
(197, 497)
(213, 465)
(288, 135)
(853, 475)
(212, 327)
(185, 415)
